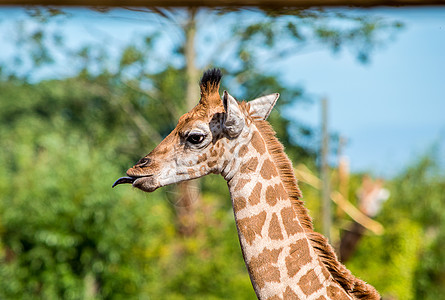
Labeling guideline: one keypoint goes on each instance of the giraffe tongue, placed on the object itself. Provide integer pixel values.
(124, 180)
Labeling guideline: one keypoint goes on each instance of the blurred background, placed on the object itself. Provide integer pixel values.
(85, 93)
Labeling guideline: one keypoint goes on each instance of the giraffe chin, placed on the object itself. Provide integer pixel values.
(146, 184)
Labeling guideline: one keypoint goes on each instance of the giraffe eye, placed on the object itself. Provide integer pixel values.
(195, 138)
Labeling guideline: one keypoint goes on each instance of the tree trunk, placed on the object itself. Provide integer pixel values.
(189, 191)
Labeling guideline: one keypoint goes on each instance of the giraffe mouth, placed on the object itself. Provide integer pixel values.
(128, 179)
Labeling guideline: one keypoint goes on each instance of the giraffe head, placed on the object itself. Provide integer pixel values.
(203, 141)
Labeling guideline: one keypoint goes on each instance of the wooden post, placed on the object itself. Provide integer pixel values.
(343, 174)
(326, 202)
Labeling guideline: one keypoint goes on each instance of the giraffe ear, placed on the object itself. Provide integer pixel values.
(233, 118)
(261, 107)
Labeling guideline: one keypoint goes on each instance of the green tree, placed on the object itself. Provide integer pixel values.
(406, 261)
(64, 233)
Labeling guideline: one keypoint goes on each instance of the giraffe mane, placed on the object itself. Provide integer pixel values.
(325, 252)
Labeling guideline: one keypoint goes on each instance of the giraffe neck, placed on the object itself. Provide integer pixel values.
(285, 258)
(279, 257)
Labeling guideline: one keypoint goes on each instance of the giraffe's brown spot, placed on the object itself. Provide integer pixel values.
(262, 269)
(211, 163)
(258, 143)
(224, 165)
(201, 158)
(249, 166)
(275, 228)
(275, 297)
(241, 183)
(239, 203)
(309, 283)
(254, 197)
(289, 294)
(191, 172)
(335, 292)
(321, 298)
(281, 192)
(268, 170)
(221, 151)
(243, 151)
(213, 152)
(298, 257)
(231, 150)
(271, 196)
(251, 226)
(291, 225)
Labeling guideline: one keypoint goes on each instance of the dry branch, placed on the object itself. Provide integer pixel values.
(305, 175)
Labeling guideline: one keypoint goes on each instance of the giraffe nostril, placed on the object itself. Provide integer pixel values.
(143, 162)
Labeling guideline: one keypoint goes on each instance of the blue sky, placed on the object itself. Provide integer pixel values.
(391, 110)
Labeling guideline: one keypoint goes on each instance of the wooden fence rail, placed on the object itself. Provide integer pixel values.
(227, 3)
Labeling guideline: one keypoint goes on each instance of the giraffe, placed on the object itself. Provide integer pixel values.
(284, 256)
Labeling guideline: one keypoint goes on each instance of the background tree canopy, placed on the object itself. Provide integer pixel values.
(65, 234)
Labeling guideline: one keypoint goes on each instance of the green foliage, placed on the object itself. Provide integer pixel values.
(300, 29)
(59, 222)
(389, 262)
(65, 234)
(422, 188)
(129, 56)
(60, 225)
(407, 261)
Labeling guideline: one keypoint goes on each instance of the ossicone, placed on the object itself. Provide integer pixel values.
(210, 82)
